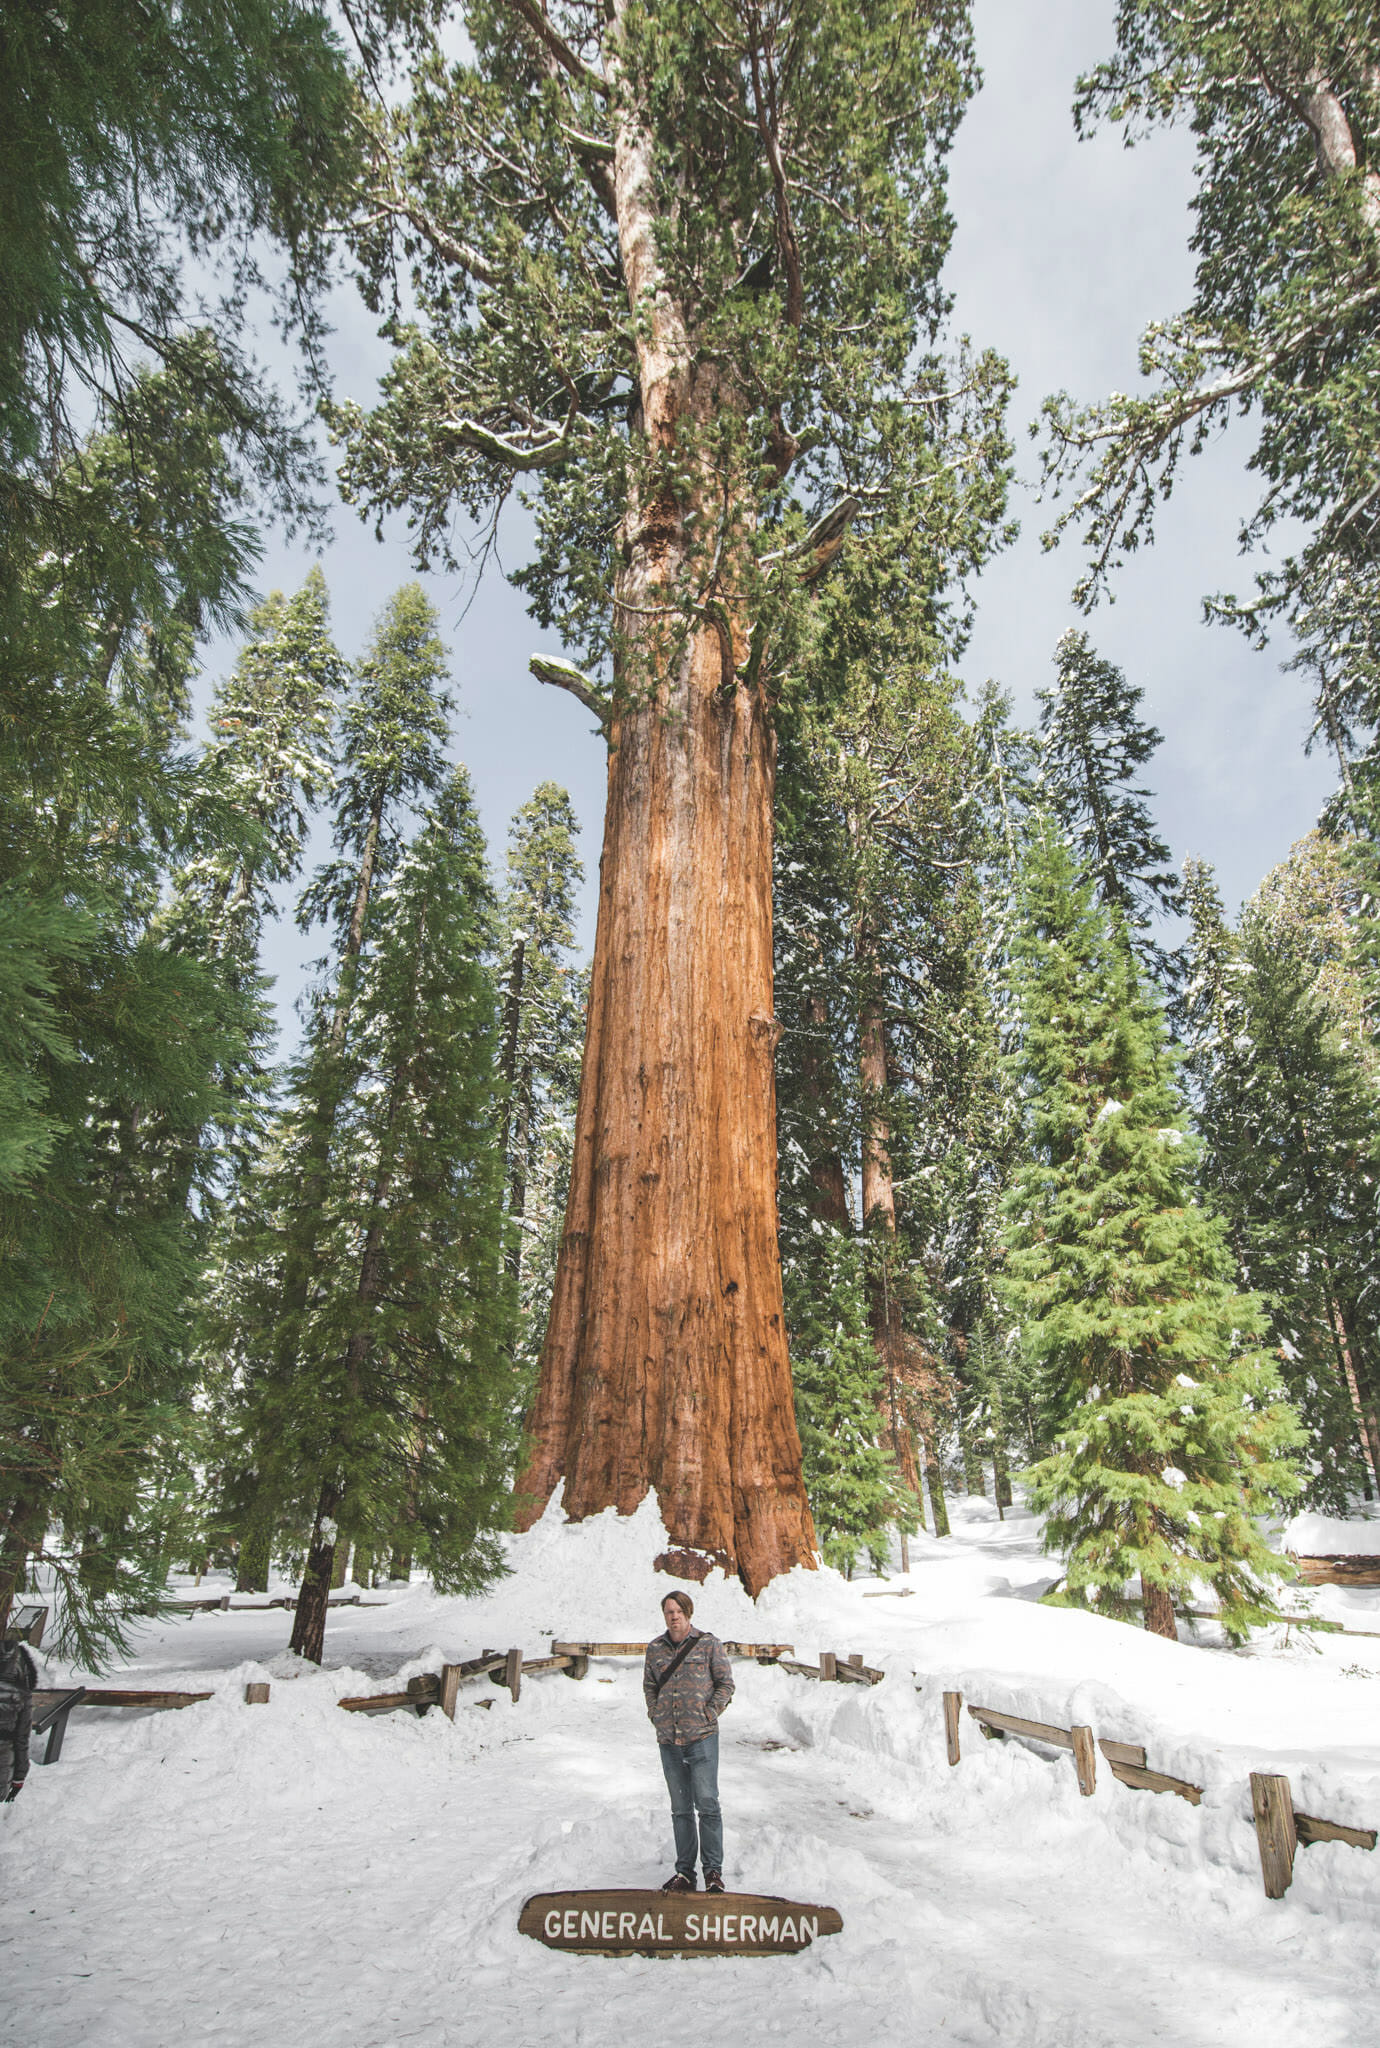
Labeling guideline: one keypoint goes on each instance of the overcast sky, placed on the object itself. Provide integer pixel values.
(1064, 251)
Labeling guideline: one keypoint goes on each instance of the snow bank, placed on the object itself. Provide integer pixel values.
(236, 1874)
(1325, 1536)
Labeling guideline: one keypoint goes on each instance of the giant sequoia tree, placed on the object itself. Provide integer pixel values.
(675, 263)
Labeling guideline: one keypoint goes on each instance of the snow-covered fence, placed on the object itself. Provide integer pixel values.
(509, 1668)
(831, 1665)
(221, 1603)
(1281, 1828)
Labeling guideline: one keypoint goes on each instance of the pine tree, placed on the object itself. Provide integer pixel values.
(1170, 1436)
(395, 1427)
(1291, 1157)
(856, 1494)
(542, 1034)
(876, 932)
(268, 757)
(1093, 744)
(114, 1072)
(217, 131)
(389, 756)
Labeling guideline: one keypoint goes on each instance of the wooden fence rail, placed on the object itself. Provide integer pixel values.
(1280, 1827)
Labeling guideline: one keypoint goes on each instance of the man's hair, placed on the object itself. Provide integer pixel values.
(682, 1600)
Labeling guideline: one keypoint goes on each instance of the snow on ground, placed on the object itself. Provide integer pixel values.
(1325, 1536)
(290, 1874)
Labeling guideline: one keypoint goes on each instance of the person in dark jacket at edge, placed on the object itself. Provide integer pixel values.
(687, 1683)
(18, 1677)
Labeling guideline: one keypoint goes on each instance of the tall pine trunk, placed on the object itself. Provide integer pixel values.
(665, 1366)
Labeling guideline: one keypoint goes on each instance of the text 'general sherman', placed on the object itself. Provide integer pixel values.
(648, 1923)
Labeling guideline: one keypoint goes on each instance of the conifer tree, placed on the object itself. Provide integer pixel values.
(876, 925)
(114, 1070)
(395, 1428)
(1170, 1434)
(129, 145)
(542, 1034)
(388, 755)
(269, 758)
(1291, 1157)
(681, 275)
(1093, 744)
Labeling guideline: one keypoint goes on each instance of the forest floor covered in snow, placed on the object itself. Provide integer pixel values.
(290, 1874)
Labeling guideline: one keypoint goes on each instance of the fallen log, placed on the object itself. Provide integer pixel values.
(1333, 1569)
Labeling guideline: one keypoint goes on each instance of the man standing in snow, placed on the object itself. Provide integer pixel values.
(687, 1684)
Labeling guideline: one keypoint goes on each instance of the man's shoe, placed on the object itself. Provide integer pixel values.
(678, 1882)
(713, 1880)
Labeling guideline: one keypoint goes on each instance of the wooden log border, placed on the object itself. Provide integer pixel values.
(1281, 1828)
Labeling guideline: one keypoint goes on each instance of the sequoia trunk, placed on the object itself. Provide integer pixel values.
(665, 1364)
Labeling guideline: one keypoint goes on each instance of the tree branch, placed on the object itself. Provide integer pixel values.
(544, 453)
(442, 241)
(822, 544)
(556, 45)
(563, 675)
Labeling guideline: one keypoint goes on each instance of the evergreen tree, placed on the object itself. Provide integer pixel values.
(269, 756)
(678, 274)
(542, 1037)
(389, 756)
(212, 131)
(1093, 745)
(115, 1075)
(882, 1036)
(394, 1429)
(1170, 1436)
(1291, 1157)
(857, 1495)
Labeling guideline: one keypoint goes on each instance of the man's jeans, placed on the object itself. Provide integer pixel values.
(692, 1779)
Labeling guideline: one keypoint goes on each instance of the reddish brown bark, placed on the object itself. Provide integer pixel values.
(665, 1365)
(1158, 1611)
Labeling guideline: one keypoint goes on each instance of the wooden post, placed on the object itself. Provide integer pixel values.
(256, 1693)
(450, 1689)
(828, 1664)
(953, 1703)
(1272, 1803)
(855, 1657)
(1085, 1760)
(512, 1674)
(577, 1666)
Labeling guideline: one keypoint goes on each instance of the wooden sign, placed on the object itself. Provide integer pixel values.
(675, 1923)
